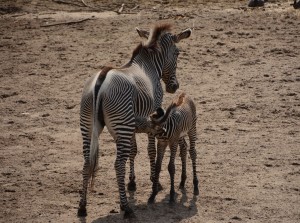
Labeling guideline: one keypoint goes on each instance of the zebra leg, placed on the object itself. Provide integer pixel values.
(85, 129)
(161, 148)
(193, 155)
(132, 185)
(171, 169)
(183, 152)
(152, 155)
(83, 201)
(123, 152)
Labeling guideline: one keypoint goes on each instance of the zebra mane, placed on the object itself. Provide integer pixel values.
(137, 50)
(156, 33)
(104, 71)
(154, 36)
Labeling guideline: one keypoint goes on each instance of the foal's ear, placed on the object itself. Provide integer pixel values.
(142, 33)
(183, 35)
(160, 112)
(157, 115)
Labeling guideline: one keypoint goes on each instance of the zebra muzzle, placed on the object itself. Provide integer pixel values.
(172, 88)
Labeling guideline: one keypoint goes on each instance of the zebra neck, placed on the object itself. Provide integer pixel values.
(150, 62)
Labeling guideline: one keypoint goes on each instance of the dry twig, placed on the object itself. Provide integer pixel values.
(66, 23)
(83, 2)
(135, 7)
(121, 9)
(68, 3)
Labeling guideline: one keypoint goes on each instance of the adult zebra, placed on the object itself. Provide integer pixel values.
(116, 97)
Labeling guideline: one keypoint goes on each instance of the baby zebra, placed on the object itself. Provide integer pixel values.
(178, 121)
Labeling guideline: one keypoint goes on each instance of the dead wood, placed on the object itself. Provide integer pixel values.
(67, 23)
(68, 3)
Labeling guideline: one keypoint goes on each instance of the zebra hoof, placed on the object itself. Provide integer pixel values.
(151, 200)
(129, 214)
(172, 202)
(172, 198)
(81, 212)
(159, 187)
(181, 186)
(196, 191)
(131, 186)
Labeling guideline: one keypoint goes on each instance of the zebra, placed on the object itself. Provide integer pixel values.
(117, 97)
(178, 121)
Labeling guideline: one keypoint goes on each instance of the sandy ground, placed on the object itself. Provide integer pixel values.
(241, 66)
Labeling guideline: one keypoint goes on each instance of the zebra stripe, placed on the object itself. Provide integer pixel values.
(179, 121)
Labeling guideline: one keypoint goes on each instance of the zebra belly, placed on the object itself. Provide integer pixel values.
(183, 133)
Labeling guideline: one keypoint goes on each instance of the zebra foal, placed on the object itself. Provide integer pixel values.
(118, 97)
(178, 121)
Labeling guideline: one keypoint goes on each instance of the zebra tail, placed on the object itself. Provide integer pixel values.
(94, 146)
(98, 125)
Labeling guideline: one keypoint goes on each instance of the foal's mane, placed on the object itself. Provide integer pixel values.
(180, 99)
(176, 103)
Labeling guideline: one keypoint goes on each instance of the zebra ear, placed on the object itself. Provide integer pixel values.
(142, 33)
(183, 35)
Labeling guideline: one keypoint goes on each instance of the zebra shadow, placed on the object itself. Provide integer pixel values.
(160, 211)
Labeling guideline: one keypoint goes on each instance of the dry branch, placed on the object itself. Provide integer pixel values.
(83, 2)
(134, 8)
(68, 3)
(67, 23)
(121, 9)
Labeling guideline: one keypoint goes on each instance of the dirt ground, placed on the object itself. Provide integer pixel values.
(240, 65)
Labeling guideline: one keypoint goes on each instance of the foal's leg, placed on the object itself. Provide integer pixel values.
(193, 155)
(171, 169)
(183, 152)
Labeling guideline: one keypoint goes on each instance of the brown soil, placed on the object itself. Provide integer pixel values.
(240, 65)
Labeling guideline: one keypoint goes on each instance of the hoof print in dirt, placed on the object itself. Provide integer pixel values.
(113, 211)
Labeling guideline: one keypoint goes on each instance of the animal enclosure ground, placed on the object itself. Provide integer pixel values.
(240, 65)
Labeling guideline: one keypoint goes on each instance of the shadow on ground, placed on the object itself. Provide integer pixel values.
(161, 211)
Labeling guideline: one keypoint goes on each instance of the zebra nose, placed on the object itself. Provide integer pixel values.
(173, 88)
